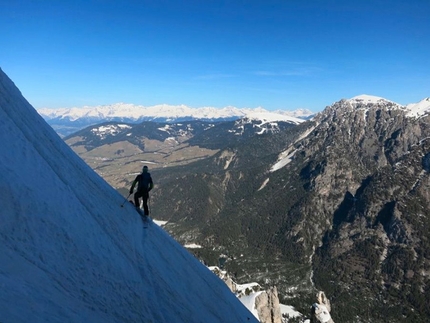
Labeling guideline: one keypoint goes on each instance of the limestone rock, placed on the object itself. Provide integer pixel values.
(268, 307)
(321, 310)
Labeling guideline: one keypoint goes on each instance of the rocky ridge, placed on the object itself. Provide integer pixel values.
(368, 178)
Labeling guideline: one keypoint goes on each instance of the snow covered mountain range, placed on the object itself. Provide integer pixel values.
(70, 253)
(160, 112)
(68, 120)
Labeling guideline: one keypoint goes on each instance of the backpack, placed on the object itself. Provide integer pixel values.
(144, 180)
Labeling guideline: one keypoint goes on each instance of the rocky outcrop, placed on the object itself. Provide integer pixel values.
(266, 303)
(321, 310)
(268, 307)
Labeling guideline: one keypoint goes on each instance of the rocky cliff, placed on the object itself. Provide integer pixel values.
(367, 171)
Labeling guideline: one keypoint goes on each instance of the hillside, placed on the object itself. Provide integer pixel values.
(116, 150)
(69, 252)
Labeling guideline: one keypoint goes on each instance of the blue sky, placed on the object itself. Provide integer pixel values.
(275, 54)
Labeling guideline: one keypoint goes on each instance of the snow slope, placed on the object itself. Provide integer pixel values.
(419, 109)
(70, 253)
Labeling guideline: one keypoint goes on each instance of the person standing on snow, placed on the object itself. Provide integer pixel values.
(144, 185)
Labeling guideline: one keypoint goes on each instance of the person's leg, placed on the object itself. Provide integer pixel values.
(145, 196)
(136, 199)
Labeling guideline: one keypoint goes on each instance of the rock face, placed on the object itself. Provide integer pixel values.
(321, 310)
(366, 167)
(268, 307)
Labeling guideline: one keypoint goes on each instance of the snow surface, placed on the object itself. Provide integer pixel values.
(284, 159)
(249, 302)
(193, 246)
(268, 117)
(290, 311)
(418, 109)
(365, 98)
(70, 253)
(287, 155)
(264, 184)
(106, 130)
(322, 313)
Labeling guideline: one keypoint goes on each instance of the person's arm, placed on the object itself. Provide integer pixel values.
(134, 184)
(151, 184)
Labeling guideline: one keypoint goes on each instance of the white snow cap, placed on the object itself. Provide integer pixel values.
(365, 98)
(412, 110)
(418, 109)
(273, 117)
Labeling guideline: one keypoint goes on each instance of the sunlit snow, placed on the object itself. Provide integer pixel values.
(419, 109)
(365, 98)
(103, 131)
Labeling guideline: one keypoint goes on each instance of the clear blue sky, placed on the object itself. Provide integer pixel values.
(275, 54)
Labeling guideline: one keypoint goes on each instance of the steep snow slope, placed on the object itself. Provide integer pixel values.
(70, 253)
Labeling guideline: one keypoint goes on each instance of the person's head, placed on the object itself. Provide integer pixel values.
(145, 169)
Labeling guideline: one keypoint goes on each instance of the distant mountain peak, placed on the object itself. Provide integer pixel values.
(366, 99)
(412, 110)
(418, 109)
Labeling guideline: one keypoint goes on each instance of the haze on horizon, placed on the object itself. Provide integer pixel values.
(272, 54)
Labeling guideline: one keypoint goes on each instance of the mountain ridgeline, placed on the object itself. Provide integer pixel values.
(339, 203)
(69, 120)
